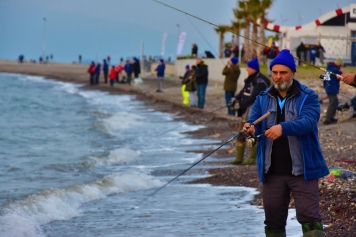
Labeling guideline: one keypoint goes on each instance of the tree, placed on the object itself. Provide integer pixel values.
(243, 13)
(265, 5)
(221, 30)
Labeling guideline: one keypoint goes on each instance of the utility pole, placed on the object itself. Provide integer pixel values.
(44, 39)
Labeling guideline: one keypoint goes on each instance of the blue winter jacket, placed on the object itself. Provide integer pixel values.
(97, 69)
(160, 70)
(105, 68)
(128, 68)
(332, 86)
(302, 113)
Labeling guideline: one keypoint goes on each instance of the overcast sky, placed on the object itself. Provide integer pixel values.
(96, 28)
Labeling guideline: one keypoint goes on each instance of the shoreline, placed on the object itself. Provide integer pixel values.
(338, 198)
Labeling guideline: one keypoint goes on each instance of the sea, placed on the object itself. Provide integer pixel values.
(84, 163)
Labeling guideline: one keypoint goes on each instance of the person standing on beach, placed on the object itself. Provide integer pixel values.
(201, 78)
(185, 80)
(112, 75)
(332, 88)
(128, 70)
(271, 53)
(136, 68)
(255, 83)
(191, 85)
(91, 71)
(105, 71)
(231, 72)
(290, 159)
(195, 50)
(160, 74)
(97, 73)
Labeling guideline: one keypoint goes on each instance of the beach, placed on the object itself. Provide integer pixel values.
(338, 197)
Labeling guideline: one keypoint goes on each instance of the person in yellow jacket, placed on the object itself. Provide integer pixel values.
(185, 79)
(231, 72)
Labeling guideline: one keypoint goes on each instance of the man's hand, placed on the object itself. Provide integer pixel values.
(232, 102)
(348, 78)
(250, 129)
(274, 132)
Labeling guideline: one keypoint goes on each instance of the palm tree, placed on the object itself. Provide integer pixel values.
(242, 13)
(264, 6)
(236, 26)
(252, 11)
(221, 30)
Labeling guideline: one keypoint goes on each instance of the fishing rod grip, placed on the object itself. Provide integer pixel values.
(257, 121)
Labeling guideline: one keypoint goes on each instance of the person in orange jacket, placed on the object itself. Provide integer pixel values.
(91, 71)
(112, 75)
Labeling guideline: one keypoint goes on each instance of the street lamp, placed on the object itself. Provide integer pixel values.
(44, 39)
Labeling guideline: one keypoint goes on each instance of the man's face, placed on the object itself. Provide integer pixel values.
(198, 61)
(250, 71)
(282, 77)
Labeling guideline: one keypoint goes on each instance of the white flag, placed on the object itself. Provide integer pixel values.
(163, 44)
(181, 41)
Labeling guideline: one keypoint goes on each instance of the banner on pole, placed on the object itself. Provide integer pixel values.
(163, 44)
(181, 41)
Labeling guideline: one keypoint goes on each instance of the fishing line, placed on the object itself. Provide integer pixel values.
(197, 162)
(183, 124)
(211, 47)
(256, 42)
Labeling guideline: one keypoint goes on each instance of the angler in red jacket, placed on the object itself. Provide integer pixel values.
(91, 71)
(112, 75)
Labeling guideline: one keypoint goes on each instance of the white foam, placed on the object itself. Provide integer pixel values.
(119, 156)
(24, 217)
(119, 121)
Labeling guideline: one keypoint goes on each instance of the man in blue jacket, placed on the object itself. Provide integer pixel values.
(289, 157)
(332, 88)
(160, 74)
(105, 70)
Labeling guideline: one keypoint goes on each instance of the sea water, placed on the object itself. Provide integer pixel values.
(78, 163)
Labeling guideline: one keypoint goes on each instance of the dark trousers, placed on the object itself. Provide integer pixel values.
(228, 96)
(201, 90)
(129, 76)
(92, 79)
(106, 78)
(276, 197)
(333, 104)
(97, 77)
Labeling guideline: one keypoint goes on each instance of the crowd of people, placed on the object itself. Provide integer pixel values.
(121, 73)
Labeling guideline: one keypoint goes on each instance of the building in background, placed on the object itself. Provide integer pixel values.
(335, 30)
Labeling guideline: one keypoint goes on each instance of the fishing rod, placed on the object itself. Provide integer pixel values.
(197, 162)
(183, 124)
(324, 77)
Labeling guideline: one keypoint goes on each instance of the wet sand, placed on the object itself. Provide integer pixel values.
(338, 198)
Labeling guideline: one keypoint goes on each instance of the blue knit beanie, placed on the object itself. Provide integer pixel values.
(187, 66)
(234, 60)
(254, 64)
(161, 60)
(285, 58)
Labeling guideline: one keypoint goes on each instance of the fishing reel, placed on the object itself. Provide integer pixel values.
(251, 141)
(325, 76)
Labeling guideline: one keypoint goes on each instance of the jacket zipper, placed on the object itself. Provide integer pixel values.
(285, 113)
(275, 120)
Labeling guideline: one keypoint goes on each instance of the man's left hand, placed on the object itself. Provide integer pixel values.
(274, 132)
